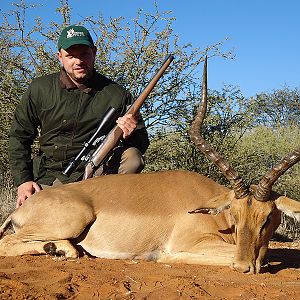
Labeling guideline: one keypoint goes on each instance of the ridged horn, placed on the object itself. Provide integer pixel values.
(211, 154)
(264, 187)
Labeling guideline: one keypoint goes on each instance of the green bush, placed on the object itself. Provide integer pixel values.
(252, 155)
(263, 148)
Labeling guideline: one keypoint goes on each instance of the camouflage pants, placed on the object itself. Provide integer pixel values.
(122, 161)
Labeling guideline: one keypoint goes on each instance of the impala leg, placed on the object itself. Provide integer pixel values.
(50, 234)
(216, 253)
(13, 245)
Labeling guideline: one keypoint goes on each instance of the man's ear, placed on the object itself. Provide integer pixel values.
(59, 56)
(94, 50)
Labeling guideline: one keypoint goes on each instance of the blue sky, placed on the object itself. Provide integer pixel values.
(263, 33)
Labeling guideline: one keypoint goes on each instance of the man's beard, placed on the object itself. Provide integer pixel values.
(82, 77)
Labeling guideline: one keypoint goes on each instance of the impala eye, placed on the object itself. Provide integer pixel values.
(267, 222)
(235, 218)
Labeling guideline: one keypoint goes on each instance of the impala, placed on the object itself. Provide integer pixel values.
(172, 216)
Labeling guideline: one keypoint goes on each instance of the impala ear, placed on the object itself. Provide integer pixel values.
(216, 204)
(288, 206)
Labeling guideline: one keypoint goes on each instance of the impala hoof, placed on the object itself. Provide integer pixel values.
(50, 248)
(243, 268)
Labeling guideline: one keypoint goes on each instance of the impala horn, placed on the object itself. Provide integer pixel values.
(264, 187)
(238, 185)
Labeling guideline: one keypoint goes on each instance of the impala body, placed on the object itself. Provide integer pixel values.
(148, 216)
(172, 216)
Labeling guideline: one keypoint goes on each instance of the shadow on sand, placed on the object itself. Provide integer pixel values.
(282, 258)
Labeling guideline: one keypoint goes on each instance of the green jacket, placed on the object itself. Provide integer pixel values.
(64, 116)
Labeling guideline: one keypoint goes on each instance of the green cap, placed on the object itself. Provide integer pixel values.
(74, 35)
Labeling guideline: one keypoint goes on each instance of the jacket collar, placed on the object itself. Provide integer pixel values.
(67, 83)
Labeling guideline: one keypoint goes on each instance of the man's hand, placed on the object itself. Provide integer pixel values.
(127, 123)
(25, 190)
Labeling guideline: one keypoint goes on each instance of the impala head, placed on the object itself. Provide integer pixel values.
(255, 211)
(255, 223)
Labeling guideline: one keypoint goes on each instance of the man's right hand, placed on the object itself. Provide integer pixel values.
(25, 190)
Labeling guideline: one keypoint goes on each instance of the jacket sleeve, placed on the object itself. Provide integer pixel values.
(22, 134)
(139, 138)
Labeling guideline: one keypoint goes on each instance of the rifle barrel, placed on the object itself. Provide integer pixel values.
(116, 133)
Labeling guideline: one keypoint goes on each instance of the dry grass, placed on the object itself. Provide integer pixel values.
(7, 196)
(289, 229)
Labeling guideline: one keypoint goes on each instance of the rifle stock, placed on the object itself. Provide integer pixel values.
(116, 133)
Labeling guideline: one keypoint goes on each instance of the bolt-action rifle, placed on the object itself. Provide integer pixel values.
(107, 143)
(107, 119)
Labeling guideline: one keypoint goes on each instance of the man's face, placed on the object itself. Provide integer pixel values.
(78, 61)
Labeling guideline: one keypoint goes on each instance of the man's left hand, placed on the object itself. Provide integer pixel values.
(127, 123)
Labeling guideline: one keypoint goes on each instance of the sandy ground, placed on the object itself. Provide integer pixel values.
(45, 277)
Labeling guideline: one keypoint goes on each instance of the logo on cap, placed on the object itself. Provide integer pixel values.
(74, 35)
(71, 33)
